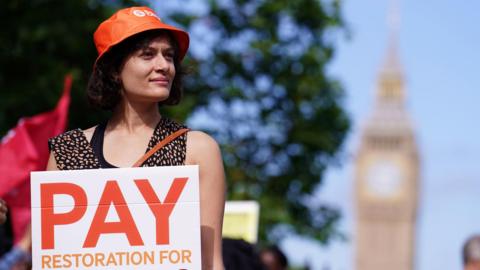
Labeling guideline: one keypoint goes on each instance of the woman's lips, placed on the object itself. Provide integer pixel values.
(160, 81)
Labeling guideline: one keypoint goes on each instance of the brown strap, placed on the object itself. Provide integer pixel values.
(159, 145)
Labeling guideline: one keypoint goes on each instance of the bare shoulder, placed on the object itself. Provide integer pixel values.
(200, 139)
(200, 146)
(89, 132)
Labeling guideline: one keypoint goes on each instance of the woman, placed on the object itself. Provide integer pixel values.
(137, 69)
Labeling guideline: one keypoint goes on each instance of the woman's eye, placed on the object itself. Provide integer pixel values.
(169, 55)
(147, 55)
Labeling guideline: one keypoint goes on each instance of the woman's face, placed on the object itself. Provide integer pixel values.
(147, 74)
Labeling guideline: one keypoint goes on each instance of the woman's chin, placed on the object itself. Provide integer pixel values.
(149, 98)
(160, 96)
(156, 99)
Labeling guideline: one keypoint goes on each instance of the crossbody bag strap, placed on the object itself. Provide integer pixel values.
(159, 145)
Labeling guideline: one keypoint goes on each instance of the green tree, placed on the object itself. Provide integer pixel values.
(259, 79)
(42, 41)
(261, 88)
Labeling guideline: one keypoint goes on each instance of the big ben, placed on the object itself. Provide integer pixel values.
(387, 176)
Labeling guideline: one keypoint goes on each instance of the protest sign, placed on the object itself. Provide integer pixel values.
(126, 218)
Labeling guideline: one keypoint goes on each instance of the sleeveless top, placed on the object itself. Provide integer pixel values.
(72, 151)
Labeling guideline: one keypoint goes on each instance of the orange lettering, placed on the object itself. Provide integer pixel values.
(46, 261)
(163, 255)
(49, 219)
(186, 254)
(160, 210)
(112, 195)
(56, 261)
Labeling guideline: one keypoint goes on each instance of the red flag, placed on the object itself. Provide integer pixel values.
(25, 149)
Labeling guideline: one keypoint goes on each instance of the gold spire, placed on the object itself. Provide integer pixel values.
(390, 86)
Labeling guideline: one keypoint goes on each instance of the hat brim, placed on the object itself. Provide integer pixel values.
(181, 37)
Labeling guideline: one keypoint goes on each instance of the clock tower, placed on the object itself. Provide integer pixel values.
(387, 172)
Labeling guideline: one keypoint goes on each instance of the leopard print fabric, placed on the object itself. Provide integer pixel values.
(72, 151)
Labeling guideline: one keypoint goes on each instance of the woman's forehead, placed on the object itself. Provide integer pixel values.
(161, 40)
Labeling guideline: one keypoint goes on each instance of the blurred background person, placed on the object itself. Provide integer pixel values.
(471, 253)
(273, 258)
(5, 229)
(240, 255)
(20, 256)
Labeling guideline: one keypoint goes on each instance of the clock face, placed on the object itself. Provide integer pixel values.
(384, 178)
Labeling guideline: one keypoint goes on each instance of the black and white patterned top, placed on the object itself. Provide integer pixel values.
(72, 151)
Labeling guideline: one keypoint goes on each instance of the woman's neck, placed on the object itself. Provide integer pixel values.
(132, 117)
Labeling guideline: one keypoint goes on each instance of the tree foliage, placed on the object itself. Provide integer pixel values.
(259, 86)
(261, 82)
(41, 41)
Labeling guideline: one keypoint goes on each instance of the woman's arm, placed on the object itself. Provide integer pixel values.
(203, 150)
(52, 164)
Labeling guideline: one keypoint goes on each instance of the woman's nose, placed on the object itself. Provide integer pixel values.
(160, 63)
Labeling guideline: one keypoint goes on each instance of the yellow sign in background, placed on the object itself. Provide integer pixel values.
(241, 220)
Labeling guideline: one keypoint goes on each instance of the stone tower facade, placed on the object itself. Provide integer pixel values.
(387, 177)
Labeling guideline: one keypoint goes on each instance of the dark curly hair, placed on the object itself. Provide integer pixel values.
(104, 85)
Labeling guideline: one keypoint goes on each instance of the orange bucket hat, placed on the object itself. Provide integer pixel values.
(130, 21)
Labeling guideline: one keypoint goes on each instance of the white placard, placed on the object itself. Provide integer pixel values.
(127, 218)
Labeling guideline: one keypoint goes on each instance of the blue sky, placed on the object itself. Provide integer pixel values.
(438, 47)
